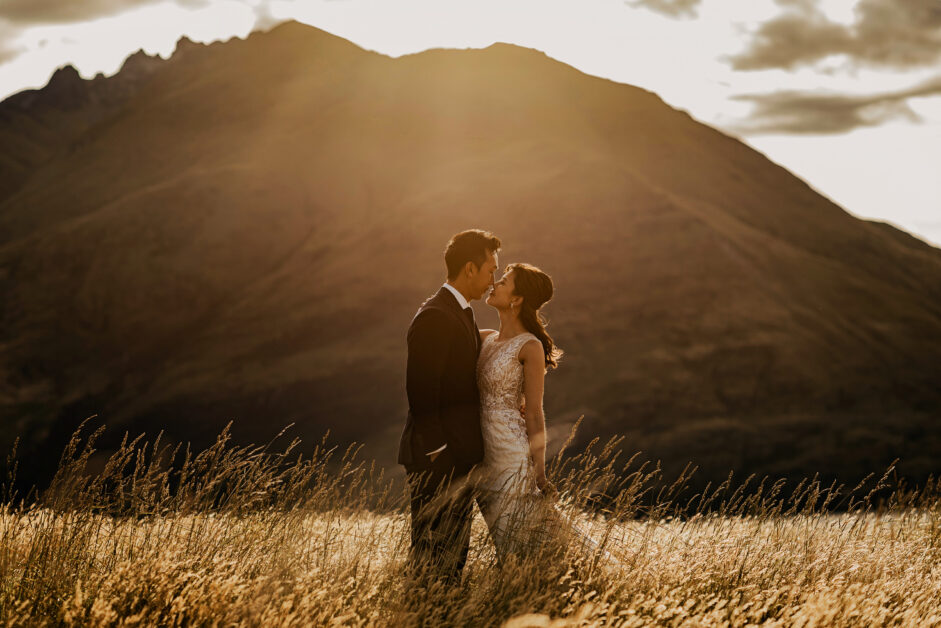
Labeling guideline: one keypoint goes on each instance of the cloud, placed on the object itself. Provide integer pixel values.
(23, 13)
(8, 51)
(884, 33)
(30, 12)
(798, 112)
(18, 15)
(264, 18)
(672, 8)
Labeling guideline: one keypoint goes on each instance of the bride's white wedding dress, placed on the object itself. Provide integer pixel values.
(516, 512)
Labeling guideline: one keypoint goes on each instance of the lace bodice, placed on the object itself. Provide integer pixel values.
(500, 373)
(500, 380)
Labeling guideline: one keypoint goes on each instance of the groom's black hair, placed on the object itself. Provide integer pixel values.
(469, 246)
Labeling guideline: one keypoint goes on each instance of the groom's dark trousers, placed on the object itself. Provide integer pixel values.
(443, 411)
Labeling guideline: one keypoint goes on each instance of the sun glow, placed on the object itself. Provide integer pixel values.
(685, 61)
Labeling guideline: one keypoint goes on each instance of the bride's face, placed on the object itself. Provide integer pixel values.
(501, 296)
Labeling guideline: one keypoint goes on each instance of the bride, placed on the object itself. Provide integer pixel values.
(514, 493)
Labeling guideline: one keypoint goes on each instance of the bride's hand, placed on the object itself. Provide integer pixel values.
(546, 487)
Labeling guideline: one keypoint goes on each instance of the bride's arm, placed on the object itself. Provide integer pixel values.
(534, 374)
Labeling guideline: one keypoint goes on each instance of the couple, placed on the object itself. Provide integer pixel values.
(475, 429)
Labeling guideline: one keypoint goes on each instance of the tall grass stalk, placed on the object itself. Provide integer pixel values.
(267, 536)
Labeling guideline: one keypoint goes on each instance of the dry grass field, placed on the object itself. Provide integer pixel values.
(236, 536)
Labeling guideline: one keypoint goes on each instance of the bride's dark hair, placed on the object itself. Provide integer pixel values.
(535, 287)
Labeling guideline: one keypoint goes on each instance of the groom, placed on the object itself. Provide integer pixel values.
(442, 439)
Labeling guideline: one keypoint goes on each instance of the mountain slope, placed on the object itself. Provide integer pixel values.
(248, 232)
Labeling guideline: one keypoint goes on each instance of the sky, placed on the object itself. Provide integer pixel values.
(846, 94)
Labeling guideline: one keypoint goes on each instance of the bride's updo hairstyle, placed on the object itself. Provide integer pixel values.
(535, 287)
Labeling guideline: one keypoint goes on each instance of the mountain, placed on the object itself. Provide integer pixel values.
(243, 232)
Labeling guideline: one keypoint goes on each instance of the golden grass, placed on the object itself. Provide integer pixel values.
(247, 537)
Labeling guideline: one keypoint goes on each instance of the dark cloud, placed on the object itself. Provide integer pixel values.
(17, 15)
(30, 12)
(797, 112)
(22, 13)
(8, 51)
(885, 33)
(673, 8)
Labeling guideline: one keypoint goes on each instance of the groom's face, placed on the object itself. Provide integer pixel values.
(483, 279)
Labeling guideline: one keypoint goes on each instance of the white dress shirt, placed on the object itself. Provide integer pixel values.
(464, 305)
(457, 295)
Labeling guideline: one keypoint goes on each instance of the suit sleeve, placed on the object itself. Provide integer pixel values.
(428, 340)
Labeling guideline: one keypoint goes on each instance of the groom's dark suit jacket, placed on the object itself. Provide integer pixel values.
(441, 383)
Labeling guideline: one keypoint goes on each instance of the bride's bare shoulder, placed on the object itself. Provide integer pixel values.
(531, 350)
(486, 332)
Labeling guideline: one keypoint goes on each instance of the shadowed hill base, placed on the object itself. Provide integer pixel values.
(245, 234)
